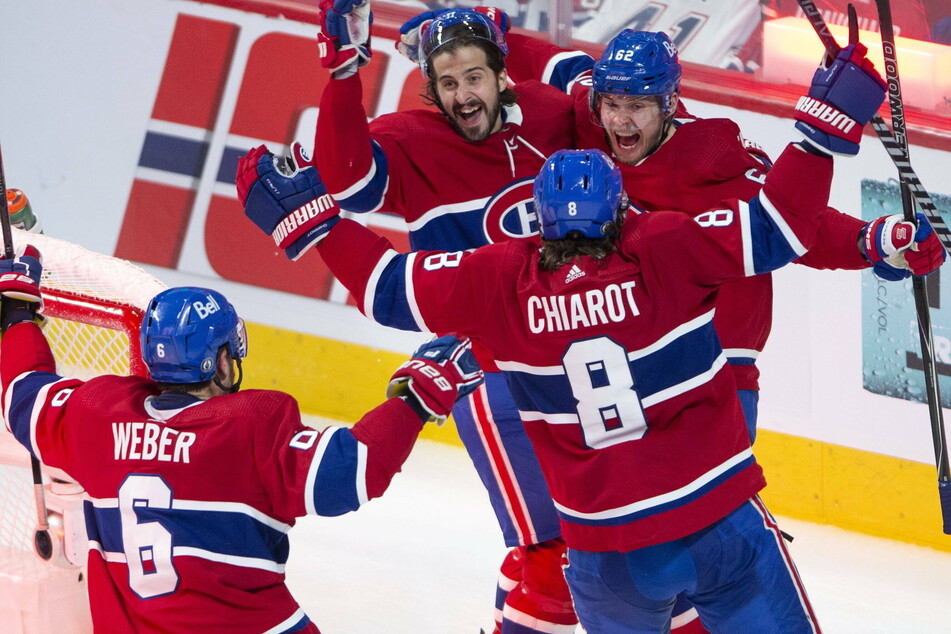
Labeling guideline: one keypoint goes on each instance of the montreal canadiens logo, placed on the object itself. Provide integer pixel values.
(510, 213)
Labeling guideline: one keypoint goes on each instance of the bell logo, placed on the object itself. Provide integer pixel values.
(205, 309)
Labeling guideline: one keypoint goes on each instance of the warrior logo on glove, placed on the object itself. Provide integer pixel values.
(285, 198)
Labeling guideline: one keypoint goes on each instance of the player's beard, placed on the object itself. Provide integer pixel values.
(490, 117)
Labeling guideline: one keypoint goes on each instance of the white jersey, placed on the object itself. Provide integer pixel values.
(704, 31)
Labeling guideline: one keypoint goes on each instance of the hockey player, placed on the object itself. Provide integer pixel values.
(644, 447)
(669, 160)
(192, 485)
(672, 161)
(462, 178)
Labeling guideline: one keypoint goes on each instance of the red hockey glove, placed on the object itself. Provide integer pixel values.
(440, 372)
(344, 36)
(285, 198)
(20, 286)
(897, 249)
(842, 99)
(498, 16)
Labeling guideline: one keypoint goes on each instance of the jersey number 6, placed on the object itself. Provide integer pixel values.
(147, 545)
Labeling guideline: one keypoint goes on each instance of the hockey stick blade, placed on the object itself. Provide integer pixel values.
(922, 305)
(882, 129)
(41, 537)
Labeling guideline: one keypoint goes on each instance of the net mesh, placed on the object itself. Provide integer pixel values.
(93, 304)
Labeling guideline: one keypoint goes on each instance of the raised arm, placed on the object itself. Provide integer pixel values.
(353, 166)
(418, 291)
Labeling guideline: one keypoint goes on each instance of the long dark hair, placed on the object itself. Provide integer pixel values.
(494, 59)
(557, 253)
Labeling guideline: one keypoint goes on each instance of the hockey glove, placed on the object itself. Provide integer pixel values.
(411, 32)
(842, 99)
(897, 249)
(20, 287)
(344, 36)
(285, 198)
(441, 372)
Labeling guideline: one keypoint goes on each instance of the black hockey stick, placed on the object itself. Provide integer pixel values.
(41, 538)
(921, 291)
(893, 144)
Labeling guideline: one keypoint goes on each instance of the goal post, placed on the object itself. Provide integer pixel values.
(93, 306)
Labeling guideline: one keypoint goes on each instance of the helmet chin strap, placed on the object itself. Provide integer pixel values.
(235, 386)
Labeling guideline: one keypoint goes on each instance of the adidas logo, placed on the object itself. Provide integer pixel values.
(574, 274)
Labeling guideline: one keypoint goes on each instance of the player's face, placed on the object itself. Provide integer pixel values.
(633, 125)
(469, 91)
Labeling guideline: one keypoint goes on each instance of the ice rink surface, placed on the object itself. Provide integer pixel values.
(423, 559)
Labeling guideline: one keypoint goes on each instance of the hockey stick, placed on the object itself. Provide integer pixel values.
(893, 144)
(921, 291)
(41, 538)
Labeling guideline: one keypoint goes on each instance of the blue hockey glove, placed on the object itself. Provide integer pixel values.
(343, 39)
(285, 198)
(441, 372)
(411, 32)
(898, 249)
(20, 286)
(842, 99)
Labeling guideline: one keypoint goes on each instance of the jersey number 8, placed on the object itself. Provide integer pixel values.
(609, 409)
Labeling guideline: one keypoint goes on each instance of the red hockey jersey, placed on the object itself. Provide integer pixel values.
(452, 193)
(705, 162)
(615, 365)
(189, 502)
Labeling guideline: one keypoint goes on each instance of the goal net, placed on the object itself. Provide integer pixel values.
(94, 305)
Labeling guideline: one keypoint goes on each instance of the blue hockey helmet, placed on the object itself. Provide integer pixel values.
(182, 330)
(638, 64)
(577, 190)
(456, 23)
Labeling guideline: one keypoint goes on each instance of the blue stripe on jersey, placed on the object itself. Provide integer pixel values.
(687, 356)
(335, 491)
(390, 296)
(223, 532)
(566, 70)
(770, 247)
(370, 194)
(456, 231)
(741, 361)
(22, 402)
(300, 625)
(662, 506)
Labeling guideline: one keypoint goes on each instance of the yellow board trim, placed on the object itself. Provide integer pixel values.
(857, 490)
(808, 479)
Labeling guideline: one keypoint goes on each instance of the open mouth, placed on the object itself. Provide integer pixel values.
(627, 141)
(469, 115)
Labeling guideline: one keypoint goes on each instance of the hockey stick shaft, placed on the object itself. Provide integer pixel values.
(893, 143)
(921, 291)
(42, 521)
